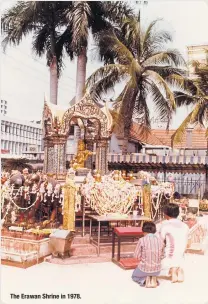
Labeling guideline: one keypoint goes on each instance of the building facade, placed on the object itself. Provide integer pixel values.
(19, 137)
(196, 53)
(3, 107)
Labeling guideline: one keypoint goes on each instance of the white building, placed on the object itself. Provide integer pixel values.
(196, 53)
(3, 107)
(19, 137)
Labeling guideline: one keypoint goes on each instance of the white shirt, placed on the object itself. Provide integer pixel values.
(175, 234)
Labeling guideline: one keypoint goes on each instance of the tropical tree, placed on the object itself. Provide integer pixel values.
(196, 94)
(138, 58)
(44, 19)
(85, 17)
(59, 27)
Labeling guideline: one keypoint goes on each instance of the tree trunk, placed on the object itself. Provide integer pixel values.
(125, 142)
(53, 81)
(81, 74)
(127, 113)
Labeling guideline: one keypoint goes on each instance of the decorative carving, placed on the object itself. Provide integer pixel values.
(86, 109)
(56, 129)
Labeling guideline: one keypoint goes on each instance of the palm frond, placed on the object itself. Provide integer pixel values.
(18, 21)
(185, 83)
(111, 45)
(78, 19)
(40, 39)
(169, 57)
(119, 11)
(166, 71)
(105, 79)
(153, 40)
(192, 118)
(162, 104)
(116, 69)
(177, 136)
(158, 80)
(131, 31)
(184, 98)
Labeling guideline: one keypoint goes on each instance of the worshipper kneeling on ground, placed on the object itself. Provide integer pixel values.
(175, 235)
(149, 252)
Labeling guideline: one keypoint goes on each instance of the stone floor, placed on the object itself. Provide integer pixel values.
(103, 283)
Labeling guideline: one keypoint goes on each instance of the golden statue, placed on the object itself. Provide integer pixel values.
(81, 157)
(69, 201)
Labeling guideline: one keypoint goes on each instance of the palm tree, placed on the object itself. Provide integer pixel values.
(44, 19)
(85, 17)
(140, 59)
(59, 26)
(196, 93)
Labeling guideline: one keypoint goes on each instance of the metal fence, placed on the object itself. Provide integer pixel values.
(189, 186)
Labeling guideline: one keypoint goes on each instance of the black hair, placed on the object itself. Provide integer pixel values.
(149, 227)
(171, 210)
(176, 195)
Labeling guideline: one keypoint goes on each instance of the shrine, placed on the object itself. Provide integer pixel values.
(96, 124)
(49, 213)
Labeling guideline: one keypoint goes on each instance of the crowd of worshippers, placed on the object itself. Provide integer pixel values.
(160, 252)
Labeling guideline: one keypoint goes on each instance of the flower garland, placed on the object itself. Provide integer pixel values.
(109, 195)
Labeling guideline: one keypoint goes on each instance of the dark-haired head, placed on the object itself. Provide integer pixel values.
(176, 195)
(149, 227)
(171, 211)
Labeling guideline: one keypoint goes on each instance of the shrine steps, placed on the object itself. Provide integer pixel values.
(84, 252)
(90, 249)
(79, 260)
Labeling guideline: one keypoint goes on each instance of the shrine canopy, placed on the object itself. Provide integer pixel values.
(96, 121)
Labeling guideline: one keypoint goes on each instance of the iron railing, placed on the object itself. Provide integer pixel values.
(190, 186)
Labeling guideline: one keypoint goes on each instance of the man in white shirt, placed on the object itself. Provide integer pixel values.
(175, 235)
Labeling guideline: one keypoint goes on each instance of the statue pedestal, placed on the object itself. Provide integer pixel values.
(82, 171)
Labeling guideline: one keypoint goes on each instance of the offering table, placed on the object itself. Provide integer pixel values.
(124, 233)
(103, 218)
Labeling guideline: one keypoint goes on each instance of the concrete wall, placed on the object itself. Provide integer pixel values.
(114, 144)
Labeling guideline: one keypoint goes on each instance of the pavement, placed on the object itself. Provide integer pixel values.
(101, 283)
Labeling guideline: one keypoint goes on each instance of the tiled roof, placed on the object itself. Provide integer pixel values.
(162, 137)
(149, 138)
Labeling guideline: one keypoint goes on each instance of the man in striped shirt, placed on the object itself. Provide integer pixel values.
(149, 252)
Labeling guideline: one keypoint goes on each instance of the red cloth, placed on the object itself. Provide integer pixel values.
(128, 231)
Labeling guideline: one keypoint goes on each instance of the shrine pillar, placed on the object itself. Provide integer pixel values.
(89, 161)
(55, 156)
(147, 201)
(101, 163)
(48, 156)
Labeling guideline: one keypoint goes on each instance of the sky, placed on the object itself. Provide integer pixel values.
(25, 77)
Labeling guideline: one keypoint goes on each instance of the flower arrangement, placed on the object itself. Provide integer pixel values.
(203, 205)
(111, 195)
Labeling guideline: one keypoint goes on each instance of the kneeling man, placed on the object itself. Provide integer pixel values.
(149, 252)
(175, 235)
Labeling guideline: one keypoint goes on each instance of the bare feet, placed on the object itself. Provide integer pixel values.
(180, 275)
(151, 282)
(174, 277)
